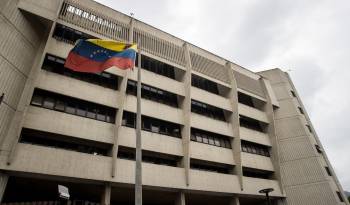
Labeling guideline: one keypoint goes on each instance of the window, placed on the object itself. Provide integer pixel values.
(56, 65)
(207, 110)
(256, 173)
(156, 66)
(245, 99)
(210, 138)
(301, 110)
(250, 123)
(254, 148)
(340, 196)
(211, 166)
(68, 35)
(153, 94)
(152, 124)
(72, 106)
(149, 157)
(328, 171)
(204, 84)
(47, 139)
(293, 93)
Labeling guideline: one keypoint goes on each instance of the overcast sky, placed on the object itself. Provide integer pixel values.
(310, 38)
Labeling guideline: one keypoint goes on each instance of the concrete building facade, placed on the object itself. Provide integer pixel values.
(213, 132)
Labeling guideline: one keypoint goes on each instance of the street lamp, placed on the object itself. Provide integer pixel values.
(266, 192)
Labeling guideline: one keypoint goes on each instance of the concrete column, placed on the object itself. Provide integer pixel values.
(234, 120)
(186, 108)
(106, 195)
(234, 201)
(271, 131)
(3, 182)
(180, 200)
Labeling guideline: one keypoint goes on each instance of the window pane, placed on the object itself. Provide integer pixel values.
(217, 142)
(205, 139)
(49, 103)
(37, 100)
(59, 105)
(91, 113)
(198, 138)
(211, 140)
(81, 112)
(70, 108)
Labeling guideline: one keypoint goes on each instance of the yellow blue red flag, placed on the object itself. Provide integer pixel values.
(96, 55)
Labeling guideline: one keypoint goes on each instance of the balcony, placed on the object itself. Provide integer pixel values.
(210, 98)
(70, 125)
(59, 162)
(252, 113)
(254, 136)
(155, 109)
(76, 88)
(216, 182)
(211, 125)
(253, 185)
(211, 153)
(151, 141)
(257, 161)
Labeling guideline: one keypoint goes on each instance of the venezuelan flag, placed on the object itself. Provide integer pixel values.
(96, 55)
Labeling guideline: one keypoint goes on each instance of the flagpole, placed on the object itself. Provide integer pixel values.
(138, 166)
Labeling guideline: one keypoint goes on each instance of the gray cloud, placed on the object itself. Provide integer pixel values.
(309, 37)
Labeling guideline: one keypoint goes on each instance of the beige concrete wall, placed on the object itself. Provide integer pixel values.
(257, 161)
(252, 113)
(211, 153)
(212, 125)
(210, 98)
(254, 136)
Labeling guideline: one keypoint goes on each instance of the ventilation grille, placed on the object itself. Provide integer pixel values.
(210, 68)
(90, 20)
(251, 85)
(159, 47)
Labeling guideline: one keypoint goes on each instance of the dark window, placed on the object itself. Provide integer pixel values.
(156, 66)
(210, 138)
(309, 128)
(72, 106)
(245, 99)
(207, 110)
(318, 148)
(293, 93)
(149, 157)
(254, 148)
(250, 123)
(256, 173)
(68, 35)
(301, 110)
(152, 124)
(152, 93)
(328, 171)
(47, 139)
(56, 65)
(204, 84)
(340, 196)
(211, 166)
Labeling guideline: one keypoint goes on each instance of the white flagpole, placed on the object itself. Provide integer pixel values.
(138, 166)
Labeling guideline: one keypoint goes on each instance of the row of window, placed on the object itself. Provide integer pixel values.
(148, 157)
(56, 65)
(256, 173)
(156, 66)
(73, 106)
(152, 124)
(245, 99)
(210, 138)
(211, 167)
(41, 138)
(152, 93)
(69, 35)
(250, 123)
(207, 110)
(254, 148)
(204, 84)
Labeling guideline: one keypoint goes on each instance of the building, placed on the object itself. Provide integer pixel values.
(213, 132)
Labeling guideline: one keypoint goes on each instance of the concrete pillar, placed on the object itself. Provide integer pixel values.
(180, 200)
(234, 201)
(3, 182)
(106, 195)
